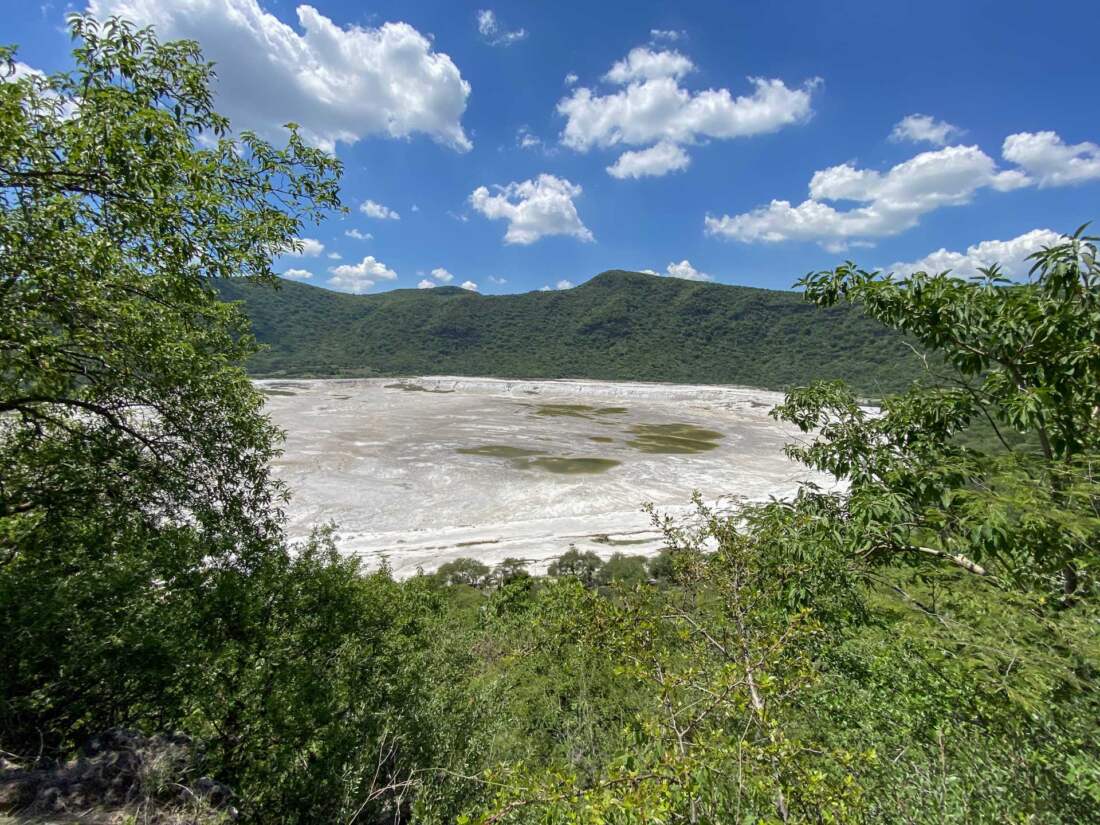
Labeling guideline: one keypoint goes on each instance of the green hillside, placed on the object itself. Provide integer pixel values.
(619, 325)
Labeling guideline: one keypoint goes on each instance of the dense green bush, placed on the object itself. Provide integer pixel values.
(624, 570)
(584, 567)
(463, 571)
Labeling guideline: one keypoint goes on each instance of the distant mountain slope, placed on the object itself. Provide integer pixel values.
(619, 325)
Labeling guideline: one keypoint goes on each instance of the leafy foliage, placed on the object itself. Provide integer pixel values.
(584, 567)
(623, 569)
(1027, 360)
(463, 571)
(135, 450)
(144, 579)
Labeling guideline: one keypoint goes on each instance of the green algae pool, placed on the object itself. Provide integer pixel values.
(522, 459)
(577, 410)
(578, 466)
(414, 388)
(499, 451)
(673, 439)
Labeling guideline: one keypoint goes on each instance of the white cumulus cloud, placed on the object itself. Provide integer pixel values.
(685, 270)
(1011, 255)
(358, 278)
(660, 109)
(23, 70)
(359, 236)
(310, 248)
(526, 140)
(426, 284)
(563, 284)
(335, 256)
(533, 208)
(494, 32)
(470, 285)
(925, 128)
(1050, 161)
(671, 35)
(646, 64)
(442, 275)
(571, 79)
(894, 201)
(341, 83)
(376, 210)
(890, 202)
(298, 274)
(653, 107)
(659, 159)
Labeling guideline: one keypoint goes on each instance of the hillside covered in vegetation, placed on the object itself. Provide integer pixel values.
(617, 326)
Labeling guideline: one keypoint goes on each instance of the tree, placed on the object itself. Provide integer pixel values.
(463, 570)
(573, 563)
(135, 450)
(510, 570)
(622, 569)
(1026, 362)
(661, 567)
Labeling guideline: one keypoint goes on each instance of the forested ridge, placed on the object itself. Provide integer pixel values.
(920, 644)
(617, 326)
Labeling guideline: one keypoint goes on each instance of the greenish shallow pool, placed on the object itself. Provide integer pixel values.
(522, 458)
(415, 388)
(673, 439)
(499, 451)
(577, 410)
(574, 466)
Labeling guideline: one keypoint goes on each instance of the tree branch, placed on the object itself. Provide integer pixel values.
(955, 558)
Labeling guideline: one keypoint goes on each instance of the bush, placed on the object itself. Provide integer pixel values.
(575, 564)
(628, 571)
(463, 570)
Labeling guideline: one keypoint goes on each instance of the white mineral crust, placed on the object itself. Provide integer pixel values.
(382, 463)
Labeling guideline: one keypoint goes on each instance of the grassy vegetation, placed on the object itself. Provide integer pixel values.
(617, 326)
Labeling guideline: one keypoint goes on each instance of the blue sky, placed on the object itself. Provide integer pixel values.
(896, 134)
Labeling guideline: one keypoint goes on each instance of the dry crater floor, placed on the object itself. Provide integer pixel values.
(420, 471)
